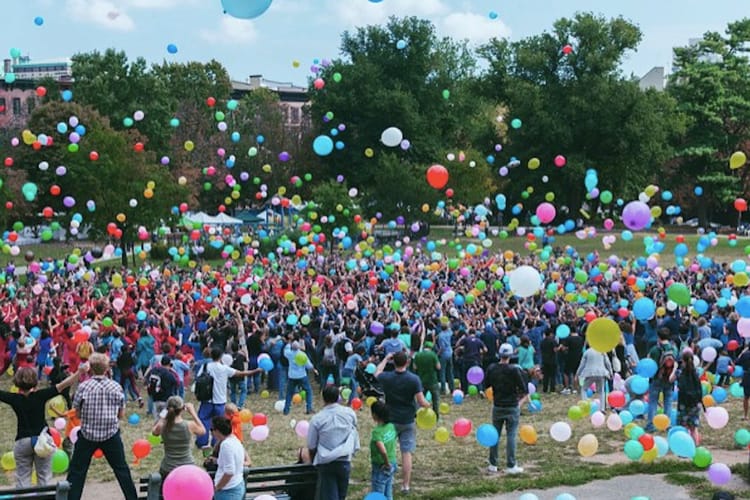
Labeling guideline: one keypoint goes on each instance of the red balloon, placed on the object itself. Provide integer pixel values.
(9, 205)
(55, 435)
(183, 207)
(54, 190)
(732, 345)
(41, 91)
(98, 453)
(437, 176)
(647, 440)
(211, 102)
(259, 419)
(590, 316)
(138, 147)
(356, 403)
(740, 205)
(567, 49)
(462, 427)
(141, 448)
(93, 156)
(47, 212)
(8, 161)
(616, 399)
(118, 233)
(449, 193)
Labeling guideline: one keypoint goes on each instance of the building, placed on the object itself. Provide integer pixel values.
(26, 69)
(292, 98)
(654, 79)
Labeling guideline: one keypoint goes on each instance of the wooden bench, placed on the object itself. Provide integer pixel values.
(282, 481)
(57, 491)
(149, 488)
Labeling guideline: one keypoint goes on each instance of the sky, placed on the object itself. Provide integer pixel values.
(305, 30)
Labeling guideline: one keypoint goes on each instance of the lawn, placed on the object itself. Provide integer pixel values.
(442, 471)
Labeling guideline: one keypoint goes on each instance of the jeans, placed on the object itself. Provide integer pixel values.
(352, 382)
(326, 372)
(23, 453)
(129, 385)
(238, 391)
(234, 493)
(549, 375)
(206, 411)
(296, 383)
(333, 480)
(254, 380)
(115, 455)
(382, 480)
(659, 386)
(434, 390)
(508, 417)
(446, 372)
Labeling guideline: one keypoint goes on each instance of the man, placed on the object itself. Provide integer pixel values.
(334, 439)
(427, 366)
(215, 406)
(572, 346)
(238, 385)
(665, 355)
(299, 363)
(100, 404)
(445, 351)
(471, 349)
(401, 388)
(161, 383)
(509, 393)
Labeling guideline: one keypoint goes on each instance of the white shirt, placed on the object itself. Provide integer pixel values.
(221, 374)
(231, 461)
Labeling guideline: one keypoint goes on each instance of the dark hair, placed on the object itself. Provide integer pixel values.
(664, 334)
(216, 353)
(330, 394)
(221, 424)
(525, 340)
(25, 378)
(400, 359)
(380, 411)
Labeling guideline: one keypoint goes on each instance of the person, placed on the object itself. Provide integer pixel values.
(401, 389)
(100, 404)
(509, 392)
(162, 384)
(176, 434)
(427, 366)
(233, 414)
(382, 450)
(238, 385)
(334, 439)
(744, 361)
(229, 482)
(596, 369)
(125, 367)
(572, 346)
(297, 377)
(724, 366)
(665, 355)
(689, 396)
(215, 406)
(549, 348)
(28, 405)
(445, 353)
(470, 349)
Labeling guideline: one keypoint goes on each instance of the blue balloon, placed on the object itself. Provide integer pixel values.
(682, 444)
(134, 419)
(644, 309)
(698, 191)
(626, 417)
(487, 435)
(646, 367)
(458, 398)
(401, 44)
(245, 9)
(637, 407)
(38, 20)
(67, 95)
(639, 385)
(738, 371)
(172, 48)
(265, 364)
(562, 331)
(375, 496)
(719, 394)
(141, 316)
(701, 306)
(35, 332)
(743, 307)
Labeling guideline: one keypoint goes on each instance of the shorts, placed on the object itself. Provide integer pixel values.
(407, 437)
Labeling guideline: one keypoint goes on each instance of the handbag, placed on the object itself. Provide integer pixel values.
(616, 364)
(45, 445)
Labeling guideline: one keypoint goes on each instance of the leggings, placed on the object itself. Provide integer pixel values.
(129, 376)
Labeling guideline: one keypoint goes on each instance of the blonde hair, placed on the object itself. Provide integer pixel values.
(99, 363)
(175, 405)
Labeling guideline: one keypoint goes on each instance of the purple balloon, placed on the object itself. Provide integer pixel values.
(615, 286)
(594, 193)
(61, 170)
(284, 156)
(475, 375)
(636, 215)
(341, 127)
(244, 176)
(399, 220)
(719, 474)
(377, 327)
(405, 144)
(74, 137)
(550, 307)
(165, 160)
(339, 178)
(503, 171)
(69, 201)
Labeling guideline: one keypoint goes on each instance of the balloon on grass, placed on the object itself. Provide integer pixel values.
(560, 432)
(487, 435)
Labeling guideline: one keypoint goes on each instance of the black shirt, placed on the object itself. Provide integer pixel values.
(29, 410)
(549, 356)
(507, 384)
(574, 345)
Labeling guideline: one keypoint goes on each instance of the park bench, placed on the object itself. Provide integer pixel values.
(149, 488)
(282, 481)
(57, 491)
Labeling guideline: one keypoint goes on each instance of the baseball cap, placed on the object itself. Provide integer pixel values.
(428, 344)
(506, 351)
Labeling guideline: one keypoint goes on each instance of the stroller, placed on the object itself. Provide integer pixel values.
(368, 383)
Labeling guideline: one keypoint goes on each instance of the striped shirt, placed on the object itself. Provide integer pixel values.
(98, 402)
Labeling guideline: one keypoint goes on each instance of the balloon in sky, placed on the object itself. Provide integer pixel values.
(245, 9)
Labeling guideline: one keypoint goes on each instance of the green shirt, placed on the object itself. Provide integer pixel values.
(385, 434)
(425, 363)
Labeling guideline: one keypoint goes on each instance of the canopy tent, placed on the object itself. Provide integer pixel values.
(225, 220)
(213, 220)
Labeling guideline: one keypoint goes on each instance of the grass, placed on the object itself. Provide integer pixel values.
(441, 471)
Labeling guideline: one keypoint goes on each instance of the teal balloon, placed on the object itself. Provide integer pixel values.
(323, 145)
(29, 191)
(245, 9)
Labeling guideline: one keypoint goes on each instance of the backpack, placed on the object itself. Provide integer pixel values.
(153, 384)
(238, 361)
(329, 356)
(204, 385)
(690, 390)
(283, 359)
(666, 361)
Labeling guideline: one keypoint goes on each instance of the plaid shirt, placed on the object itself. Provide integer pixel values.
(98, 402)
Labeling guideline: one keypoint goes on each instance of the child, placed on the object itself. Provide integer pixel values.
(722, 368)
(233, 414)
(689, 402)
(59, 373)
(382, 451)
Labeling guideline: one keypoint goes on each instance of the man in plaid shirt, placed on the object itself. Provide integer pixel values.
(100, 405)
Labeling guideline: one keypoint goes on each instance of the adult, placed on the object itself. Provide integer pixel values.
(470, 350)
(549, 348)
(176, 434)
(238, 385)
(427, 366)
(509, 391)
(162, 384)
(744, 362)
(333, 438)
(28, 405)
(229, 482)
(572, 346)
(665, 355)
(445, 354)
(215, 406)
(689, 396)
(100, 404)
(401, 389)
(299, 363)
(595, 369)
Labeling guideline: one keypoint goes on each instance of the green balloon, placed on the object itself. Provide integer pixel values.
(60, 462)
(337, 77)
(127, 122)
(219, 116)
(702, 457)
(679, 294)
(633, 450)
(742, 437)
(29, 191)
(605, 197)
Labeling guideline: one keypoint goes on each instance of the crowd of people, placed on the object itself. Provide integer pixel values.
(402, 330)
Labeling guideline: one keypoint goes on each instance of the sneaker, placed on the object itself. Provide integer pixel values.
(565, 391)
(514, 470)
(492, 469)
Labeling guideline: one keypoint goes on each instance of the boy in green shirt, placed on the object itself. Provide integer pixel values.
(427, 366)
(382, 451)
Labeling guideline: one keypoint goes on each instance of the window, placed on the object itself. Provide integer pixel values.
(295, 115)
(16, 106)
(2, 105)
(30, 104)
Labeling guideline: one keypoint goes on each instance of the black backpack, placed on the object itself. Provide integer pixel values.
(690, 390)
(238, 361)
(153, 384)
(204, 385)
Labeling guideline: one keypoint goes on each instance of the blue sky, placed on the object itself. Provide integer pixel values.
(302, 30)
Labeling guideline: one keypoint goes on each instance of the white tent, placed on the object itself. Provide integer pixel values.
(213, 220)
(201, 218)
(226, 220)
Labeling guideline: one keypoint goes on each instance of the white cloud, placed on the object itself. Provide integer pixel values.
(231, 31)
(158, 4)
(360, 13)
(472, 27)
(101, 12)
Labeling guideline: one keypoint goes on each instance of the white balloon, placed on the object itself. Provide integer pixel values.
(708, 354)
(279, 405)
(391, 137)
(717, 417)
(138, 115)
(560, 431)
(525, 281)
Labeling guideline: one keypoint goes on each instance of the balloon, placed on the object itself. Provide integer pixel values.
(717, 417)
(708, 354)
(323, 145)
(259, 433)
(462, 427)
(525, 281)
(681, 444)
(546, 212)
(475, 375)
(560, 431)
(487, 435)
(588, 445)
(442, 435)
(644, 309)
(603, 335)
(597, 419)
(528, 434)
(392, 137)
(614, 422)
(646, 367)
(8, 461)
(437, 176)
(141, 449)
(245, 9)
(719, 474)
(60, 461)
(737, 160)
(188, 482)
(633, 449)
(636, 215)
(661, 422)
(702, 457)
(302, 428)
(679, 294)
(426, 418)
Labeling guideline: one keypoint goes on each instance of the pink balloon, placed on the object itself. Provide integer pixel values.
(118, 304)
(609, 224)
(743, 327)
(188, 482)
(259, 433)
(546, 212)
(560, 161)
(302, 427)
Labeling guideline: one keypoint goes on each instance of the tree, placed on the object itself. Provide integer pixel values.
(711, 84)
(576, 103)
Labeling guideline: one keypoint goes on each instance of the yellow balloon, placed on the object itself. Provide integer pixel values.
(656, 211)
(181, 180)
(534, 163)
(148, 194)
(737, 160)
(528, 434)
(150, 184)
(189, 145)
(603, 335)
(588, 445)
(266, 168)
(426, 418)
(549, 197)
(369, 152)
(651, 190)
(650, 455)
(661, 422)
(120, 217)
(425, 208)
(741, 279)
(442, 435)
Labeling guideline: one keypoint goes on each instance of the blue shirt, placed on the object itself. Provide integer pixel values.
(296, 371)
(444, 339)
(722, 365)
(115, 348)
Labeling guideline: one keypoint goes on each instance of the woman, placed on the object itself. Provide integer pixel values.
(177, 434)
(144, 351)
(28, 405)
(526, 357)
(229, 483)
(125, 364)
(689, 402)
(594, 368)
